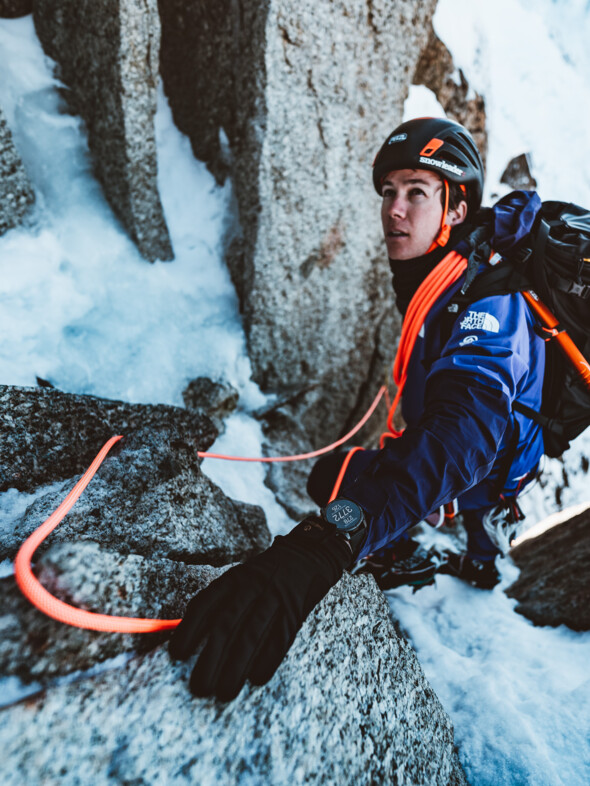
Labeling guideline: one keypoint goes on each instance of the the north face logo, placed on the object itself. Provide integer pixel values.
(480, 320)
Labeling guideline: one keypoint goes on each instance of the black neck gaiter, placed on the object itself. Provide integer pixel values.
(408, 274)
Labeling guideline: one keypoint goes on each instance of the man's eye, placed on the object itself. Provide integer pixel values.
(387, 193)
(417, 192)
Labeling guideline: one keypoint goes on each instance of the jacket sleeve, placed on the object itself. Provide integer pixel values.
(466, 420)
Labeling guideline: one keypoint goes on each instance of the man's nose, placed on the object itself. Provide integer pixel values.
(397, 207)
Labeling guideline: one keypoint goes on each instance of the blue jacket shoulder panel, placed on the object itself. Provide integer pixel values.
(491, 340)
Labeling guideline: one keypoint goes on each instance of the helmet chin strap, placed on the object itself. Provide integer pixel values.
(445, 229)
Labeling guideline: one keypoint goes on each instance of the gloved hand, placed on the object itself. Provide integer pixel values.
(251, 614)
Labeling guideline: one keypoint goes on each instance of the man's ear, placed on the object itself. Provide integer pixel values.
(458, 215)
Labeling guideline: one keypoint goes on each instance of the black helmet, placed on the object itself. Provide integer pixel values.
(434, 143)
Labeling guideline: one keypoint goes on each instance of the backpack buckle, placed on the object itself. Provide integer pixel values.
(548, 333)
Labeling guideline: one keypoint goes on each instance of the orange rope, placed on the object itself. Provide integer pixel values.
(34, 591)
(342, 472)
(313, 453)
(451, 267)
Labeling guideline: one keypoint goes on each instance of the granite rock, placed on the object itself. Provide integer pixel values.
(107, 56)
(90, 577)
(349, 682)
(518, 173)
(553, 587)
(216, 399)
(16, 192)
(11, 9)
(149, 496)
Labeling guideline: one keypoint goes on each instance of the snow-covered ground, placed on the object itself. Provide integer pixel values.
(80, 308)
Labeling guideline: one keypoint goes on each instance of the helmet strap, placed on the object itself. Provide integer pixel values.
(445, 229)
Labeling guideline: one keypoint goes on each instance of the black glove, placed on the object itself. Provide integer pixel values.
(251, 614)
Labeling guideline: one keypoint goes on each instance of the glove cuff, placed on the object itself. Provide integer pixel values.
(314, 531)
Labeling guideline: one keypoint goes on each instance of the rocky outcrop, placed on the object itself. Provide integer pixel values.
(296, 121)
(149, 498)
(36, 648)
(518, 173)
(349, 705)
(11, 9)
(16, 193)
(140, 541)
(216, 399)
(437, 71)
(199, 42)
(553, 587)
(107, 55)
(48, 435)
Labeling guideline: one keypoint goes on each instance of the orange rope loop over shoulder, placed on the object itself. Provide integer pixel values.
(446, 273)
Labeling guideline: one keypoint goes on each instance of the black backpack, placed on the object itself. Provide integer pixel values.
(553, 261)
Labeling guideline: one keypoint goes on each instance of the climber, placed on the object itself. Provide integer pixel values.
(463, 442)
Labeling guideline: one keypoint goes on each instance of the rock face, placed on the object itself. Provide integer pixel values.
(36, 648)
(148, 532)
(302, 121)
(349, 681)
(518, 173)
(107, 55)
(140, 541)
(16, 194)
(149, 497)
(553, 587)
(437, 71)
(216, 399)
(10, 9)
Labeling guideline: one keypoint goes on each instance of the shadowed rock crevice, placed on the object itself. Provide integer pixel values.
(11, 9)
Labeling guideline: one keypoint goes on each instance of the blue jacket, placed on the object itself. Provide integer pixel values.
(457, 404)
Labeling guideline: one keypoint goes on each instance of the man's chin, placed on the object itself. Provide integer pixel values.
(399, 249)
(404, 248)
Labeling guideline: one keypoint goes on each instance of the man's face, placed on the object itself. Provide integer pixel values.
(411, 211)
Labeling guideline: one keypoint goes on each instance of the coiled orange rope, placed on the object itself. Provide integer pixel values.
(448, 270)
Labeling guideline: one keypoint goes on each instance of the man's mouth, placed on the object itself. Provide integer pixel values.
(396, 233)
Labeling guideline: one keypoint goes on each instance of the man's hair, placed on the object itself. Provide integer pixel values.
(456, 194)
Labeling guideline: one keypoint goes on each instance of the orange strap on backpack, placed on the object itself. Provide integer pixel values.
(566, 343)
